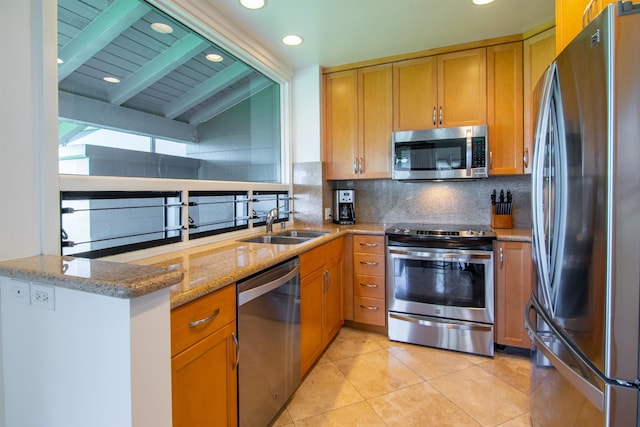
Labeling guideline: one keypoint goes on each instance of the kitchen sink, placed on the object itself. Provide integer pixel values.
(303, 233)
(276, 240)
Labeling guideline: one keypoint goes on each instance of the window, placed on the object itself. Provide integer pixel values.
(96, 224)
(264, 201)
(141, 95)
(215, 212)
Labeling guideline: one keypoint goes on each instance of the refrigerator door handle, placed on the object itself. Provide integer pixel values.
(537, 193)
(588, 390)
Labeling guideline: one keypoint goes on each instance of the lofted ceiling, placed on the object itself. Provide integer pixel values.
(339, 32)
(166, 85)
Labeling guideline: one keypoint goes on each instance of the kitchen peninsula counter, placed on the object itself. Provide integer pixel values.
(513, 234)
(213, 266)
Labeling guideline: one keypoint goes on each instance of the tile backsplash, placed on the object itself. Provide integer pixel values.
(389, 201)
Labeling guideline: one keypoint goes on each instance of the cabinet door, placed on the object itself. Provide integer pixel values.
(504, 108)
(513, 274)
(333, 318)
(375, 121)
(462, 88)
(341, 124)
(538, 52)
(415, 94)
(204, 382)
(311, 336)
(569, 19)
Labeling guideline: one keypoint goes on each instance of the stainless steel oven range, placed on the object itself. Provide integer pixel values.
(440, 286)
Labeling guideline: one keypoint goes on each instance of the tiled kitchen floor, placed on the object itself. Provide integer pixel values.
(363, 379)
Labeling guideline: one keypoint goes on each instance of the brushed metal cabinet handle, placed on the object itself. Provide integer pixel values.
(205, 320)
(490, 159)
(369, 285)
(501, 257)
(369, 307)
(369, 262)
(433, 117)
(525, 158)
(370, 245)
(361, 166)
(440, 114)
(355, 166)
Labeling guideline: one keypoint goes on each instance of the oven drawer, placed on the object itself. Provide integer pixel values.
(369, 286)
(368, 264)
(369, 310)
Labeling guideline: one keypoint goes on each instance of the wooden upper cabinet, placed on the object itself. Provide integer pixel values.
(569, 18)
(358, 123)
(340, 123)
(462, 88)
(538, 52)
(440, 91)
(504, 108)
(415, 94)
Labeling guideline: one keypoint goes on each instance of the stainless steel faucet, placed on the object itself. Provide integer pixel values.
(271, 217)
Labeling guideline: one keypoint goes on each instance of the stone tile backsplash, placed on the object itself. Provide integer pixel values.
(388, 201)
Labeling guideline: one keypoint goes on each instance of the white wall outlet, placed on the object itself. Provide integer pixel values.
(43, 296)
(20, 292)
(327, 213)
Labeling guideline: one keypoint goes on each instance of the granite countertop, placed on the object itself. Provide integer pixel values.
(95, 276)
(214, 266)
(513, 234)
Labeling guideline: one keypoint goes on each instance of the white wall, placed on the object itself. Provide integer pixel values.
(306, 115)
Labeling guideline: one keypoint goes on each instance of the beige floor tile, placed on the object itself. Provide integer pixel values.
(419, 405)
(429, 362)
(486, 398)
(283, 420)
(376, 373)
(351, 342)
(324, 389)
(514, 369)
(521, 421)
(356, 415)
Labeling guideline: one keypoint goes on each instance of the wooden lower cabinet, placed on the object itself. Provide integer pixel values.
(321, 305)
(369, 280)
(204, 374)
(513, 282)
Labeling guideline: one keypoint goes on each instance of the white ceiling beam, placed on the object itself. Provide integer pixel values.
(102, 114)
(98, 34)
(204, 90)
(230, 99)
(179, 53)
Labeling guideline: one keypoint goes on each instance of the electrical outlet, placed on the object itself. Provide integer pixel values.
(43, 296)
(327, 213)
(19, 292)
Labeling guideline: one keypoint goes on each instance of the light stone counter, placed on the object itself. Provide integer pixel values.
(211, 267)
(513, 234)
(95, 276)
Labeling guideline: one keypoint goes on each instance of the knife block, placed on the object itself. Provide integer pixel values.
(501, 221)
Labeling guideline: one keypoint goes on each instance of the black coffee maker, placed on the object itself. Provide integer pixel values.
(344, 211)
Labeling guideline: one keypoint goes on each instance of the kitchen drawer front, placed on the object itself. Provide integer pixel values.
(368, 264)
(371, 311)
(193, 321)
(368, 244)
(368, 286)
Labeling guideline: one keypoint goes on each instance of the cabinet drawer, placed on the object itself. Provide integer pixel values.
(185, 329)
(369, 310)
(368, 244)
(368, 264)
(368, 286)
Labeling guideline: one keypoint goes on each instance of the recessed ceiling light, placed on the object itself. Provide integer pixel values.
(214, 57)
(253, 4)
(292, 40)
(111, 79)
(60, 61)
(161, 28)
(481, 2)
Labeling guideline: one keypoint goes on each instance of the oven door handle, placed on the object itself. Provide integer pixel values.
(462, 255)
(439, 322)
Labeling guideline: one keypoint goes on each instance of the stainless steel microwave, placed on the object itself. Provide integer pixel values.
(446, 153)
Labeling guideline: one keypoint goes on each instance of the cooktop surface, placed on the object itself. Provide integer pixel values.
(441, 230)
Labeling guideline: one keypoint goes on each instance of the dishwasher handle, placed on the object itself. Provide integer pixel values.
(257, 291)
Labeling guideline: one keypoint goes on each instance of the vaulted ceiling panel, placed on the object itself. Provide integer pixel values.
(162, 74)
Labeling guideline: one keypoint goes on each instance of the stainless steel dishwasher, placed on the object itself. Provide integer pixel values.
(269, 336)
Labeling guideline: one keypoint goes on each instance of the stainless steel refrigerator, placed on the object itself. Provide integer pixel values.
(584, 314)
